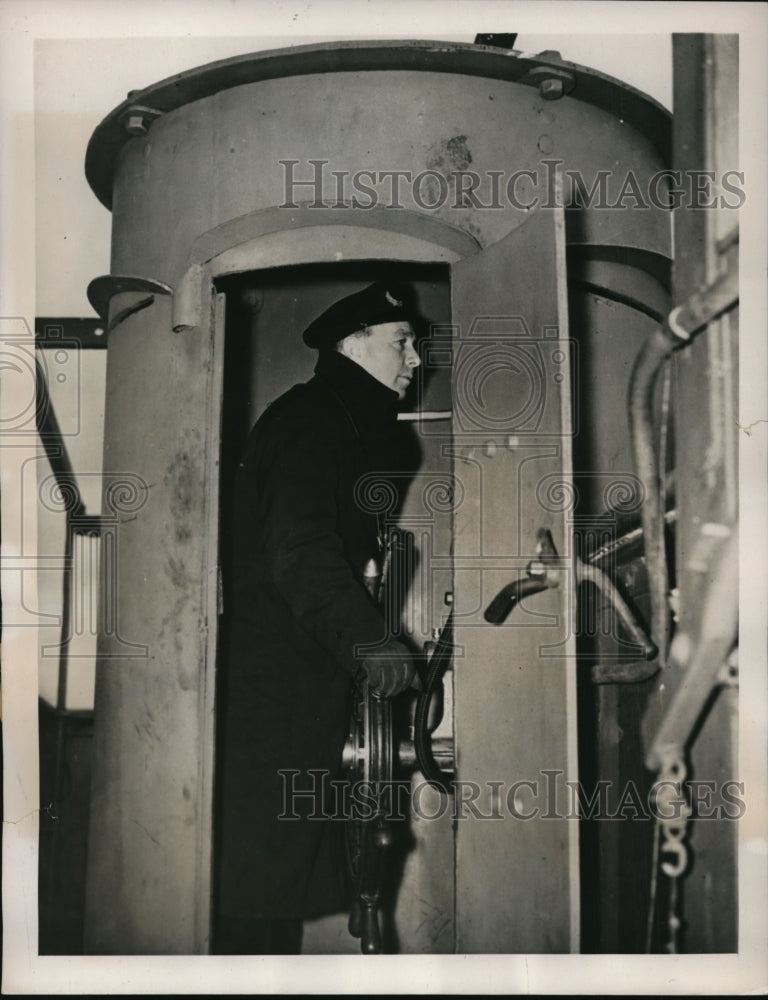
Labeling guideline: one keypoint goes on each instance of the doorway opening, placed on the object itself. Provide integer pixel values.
(266, 312)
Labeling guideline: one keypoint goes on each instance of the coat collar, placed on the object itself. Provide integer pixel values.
(370, 403)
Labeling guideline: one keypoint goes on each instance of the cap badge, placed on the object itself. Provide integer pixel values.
(392, 300)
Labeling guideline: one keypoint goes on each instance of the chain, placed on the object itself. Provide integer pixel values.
(673, 921)
(673, 813)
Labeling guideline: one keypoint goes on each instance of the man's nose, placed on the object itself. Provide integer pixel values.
(412, 358)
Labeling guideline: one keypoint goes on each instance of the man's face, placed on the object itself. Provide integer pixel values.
(386, 352)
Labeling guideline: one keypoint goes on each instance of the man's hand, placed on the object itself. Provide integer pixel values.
(390, 669)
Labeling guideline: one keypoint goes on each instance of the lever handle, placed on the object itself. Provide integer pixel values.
(370, 940)
(510, 596)
(537, 580)
(438, 663)
(363, 915)
(364, 924)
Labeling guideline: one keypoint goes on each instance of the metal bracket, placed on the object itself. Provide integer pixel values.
(553, 83)
(700, 658)
(188, 301)
(138, 118)
(102, 290)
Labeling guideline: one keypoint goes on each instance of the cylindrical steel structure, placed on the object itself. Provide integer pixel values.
(265, 131)
(399, 151)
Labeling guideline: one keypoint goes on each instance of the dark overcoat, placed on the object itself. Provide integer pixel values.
(300, 615)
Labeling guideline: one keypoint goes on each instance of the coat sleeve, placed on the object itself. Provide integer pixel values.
(298, 475)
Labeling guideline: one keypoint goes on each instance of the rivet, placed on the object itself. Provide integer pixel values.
(545, 144)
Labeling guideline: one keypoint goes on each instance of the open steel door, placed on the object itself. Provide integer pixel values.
(517, 880)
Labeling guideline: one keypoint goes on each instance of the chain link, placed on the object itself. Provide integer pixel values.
(673, 813)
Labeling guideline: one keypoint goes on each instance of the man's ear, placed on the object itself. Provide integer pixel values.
(350, 347)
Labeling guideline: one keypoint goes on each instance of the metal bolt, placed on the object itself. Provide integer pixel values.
(729, 671)
(536, 568)
(135, 125)
(253, 298)
(551, 89)
(674, 603)
(448, 597)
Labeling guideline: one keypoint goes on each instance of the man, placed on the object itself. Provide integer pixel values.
(303, 622)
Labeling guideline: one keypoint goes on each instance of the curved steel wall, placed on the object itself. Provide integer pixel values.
(218, 157)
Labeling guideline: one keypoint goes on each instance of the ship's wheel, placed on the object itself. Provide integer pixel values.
(369, 757)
